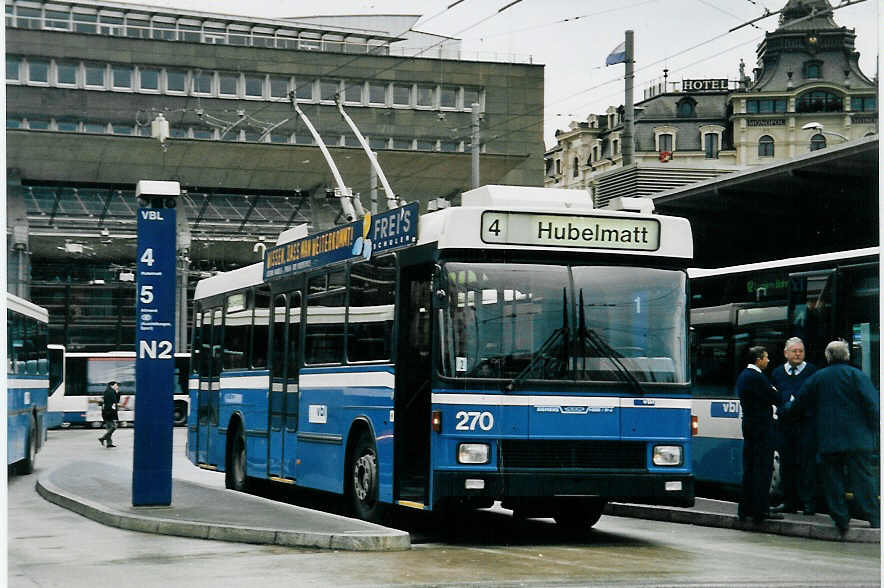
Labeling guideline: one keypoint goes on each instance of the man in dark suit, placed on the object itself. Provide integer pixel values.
(845, 403)
(757, 399)
(796, 437)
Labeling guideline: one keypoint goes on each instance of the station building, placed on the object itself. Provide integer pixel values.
(85, 80)
(807, 74)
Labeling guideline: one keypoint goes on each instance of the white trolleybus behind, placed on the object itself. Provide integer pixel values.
(30, 375)
(77, 400)
(521, 348)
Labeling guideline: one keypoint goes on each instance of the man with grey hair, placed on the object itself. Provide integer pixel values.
(845, 404)
(796, 438)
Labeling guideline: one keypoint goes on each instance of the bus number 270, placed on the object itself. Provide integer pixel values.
(467, 420)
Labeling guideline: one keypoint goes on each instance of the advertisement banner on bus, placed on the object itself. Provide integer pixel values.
(371, 235)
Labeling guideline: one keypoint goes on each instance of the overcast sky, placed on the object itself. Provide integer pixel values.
(573, 37)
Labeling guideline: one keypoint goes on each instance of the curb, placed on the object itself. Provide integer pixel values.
(394, 540)
(807, 530)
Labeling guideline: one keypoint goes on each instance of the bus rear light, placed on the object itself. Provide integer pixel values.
(695, 426)
(437, 421)
(673, 486)
(471, 484)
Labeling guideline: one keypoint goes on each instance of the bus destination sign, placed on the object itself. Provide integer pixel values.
(553, 230)
(366, 237)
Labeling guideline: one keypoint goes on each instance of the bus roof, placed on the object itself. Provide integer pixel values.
(26, 307)
(787, 262)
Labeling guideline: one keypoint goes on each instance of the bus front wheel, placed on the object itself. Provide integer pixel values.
(236, 478)
(27, 464)
(363, 480)
(581, 517)
(179, 414)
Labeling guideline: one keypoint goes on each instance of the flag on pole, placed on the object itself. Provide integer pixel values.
(618, 55)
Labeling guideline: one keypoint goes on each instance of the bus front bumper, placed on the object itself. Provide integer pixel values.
(636, 487)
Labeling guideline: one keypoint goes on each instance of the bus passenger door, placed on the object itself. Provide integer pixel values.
(292, 396)
(278, 382)
(413, 387)
(205, 379)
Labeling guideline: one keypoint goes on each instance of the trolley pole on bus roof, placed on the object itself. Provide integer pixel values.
(154, 342)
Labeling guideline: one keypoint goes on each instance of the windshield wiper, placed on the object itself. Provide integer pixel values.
(560, 336)
(603, 349)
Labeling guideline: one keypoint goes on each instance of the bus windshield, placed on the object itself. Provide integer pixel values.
(567, 323)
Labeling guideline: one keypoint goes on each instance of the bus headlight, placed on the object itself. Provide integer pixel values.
(667, 455)
(473, 453)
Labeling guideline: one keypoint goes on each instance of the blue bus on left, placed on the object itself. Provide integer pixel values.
(29, 378)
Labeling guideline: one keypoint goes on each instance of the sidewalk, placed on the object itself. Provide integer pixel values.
(718, 513)
(103, 493)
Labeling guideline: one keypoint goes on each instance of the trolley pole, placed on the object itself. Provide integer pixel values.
(628, 107)
(474, 148)
(154, 342)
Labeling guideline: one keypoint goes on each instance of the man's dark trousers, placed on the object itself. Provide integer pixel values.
(862, 482)
(758, 446)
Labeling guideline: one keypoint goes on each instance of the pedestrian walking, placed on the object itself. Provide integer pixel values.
(796, 436)
(109, 412)
(845, 403)
(757, 399)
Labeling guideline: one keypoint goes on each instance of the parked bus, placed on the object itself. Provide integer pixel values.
(77, 401)
(818, 298)
(521, 348)
(29, 377)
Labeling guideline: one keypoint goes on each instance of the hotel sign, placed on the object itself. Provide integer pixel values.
(553, 230)
(714, 85)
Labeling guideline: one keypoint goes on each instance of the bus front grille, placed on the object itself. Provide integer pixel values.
(554, 454)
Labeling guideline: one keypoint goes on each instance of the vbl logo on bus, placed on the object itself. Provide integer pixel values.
(729, 409)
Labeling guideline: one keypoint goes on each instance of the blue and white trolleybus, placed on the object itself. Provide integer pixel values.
(523, 348)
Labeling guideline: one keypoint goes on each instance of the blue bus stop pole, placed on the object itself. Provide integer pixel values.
(154, 343)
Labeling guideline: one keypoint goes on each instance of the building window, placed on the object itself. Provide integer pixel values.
(819, 101)
(857, 103)
(57, 19)
(813, 70)
(377, 143)
(121, 77)
(615, 147)
(67, 126)
(353, 92)
(710, 142)
(202, 82)
(28, 18)
(470, 95)
(38, 71)
(38, 124)
(176, 80)
(665, 142)
(448, 96)
(12, 69)
(449, 146)
(279, 87)
(377, 93)
(401, 95)
(95, 127)
(426, 145)
(149, 79)
(95, 75)
(817, 142)
(767, 106)
(66, 73)
(85, 23)
(304, 89)
(558, 167)
(122, 129)
(766, 146)
(426, 96)
(227, 84)
(399, 143)
(328, 89)
(255, 86)
(687, 107)
(575, 168)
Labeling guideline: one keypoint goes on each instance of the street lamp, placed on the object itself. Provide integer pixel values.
(818, 127)
(818, 140)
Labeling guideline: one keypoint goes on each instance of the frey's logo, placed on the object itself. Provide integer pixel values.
(362, 245)
(148, 214)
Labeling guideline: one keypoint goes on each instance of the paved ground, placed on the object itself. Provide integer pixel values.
(102, 492)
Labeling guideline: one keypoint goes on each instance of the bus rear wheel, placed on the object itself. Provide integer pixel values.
(236, 478)
(26, 466)
(363, 480)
